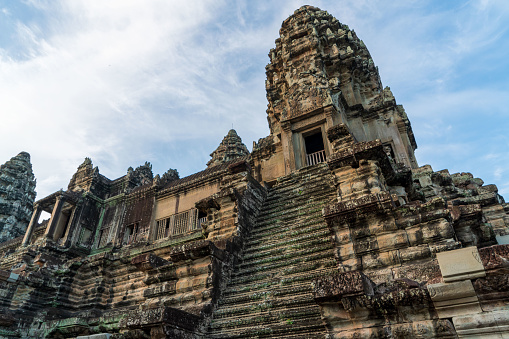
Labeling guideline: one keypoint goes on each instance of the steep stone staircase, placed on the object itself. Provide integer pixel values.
(269, 295)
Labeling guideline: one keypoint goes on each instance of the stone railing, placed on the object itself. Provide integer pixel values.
(177, 224)
(315, 158)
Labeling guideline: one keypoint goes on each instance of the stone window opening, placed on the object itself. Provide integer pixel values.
(315, 149)
(84, 236)
(103, 237)
(131, 231)
(202, 218)
(63, 226)
(389, 150)
(178, 224)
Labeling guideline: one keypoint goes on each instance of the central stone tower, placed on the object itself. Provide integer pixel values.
(320, 75)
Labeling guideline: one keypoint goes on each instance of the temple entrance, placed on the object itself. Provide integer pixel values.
(315, 150)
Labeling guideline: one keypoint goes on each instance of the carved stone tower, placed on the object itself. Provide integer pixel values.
(320, 74)
(17, 194)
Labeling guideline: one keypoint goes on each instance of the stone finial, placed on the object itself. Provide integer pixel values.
(17, 192)
(230, 148)
(81, 179)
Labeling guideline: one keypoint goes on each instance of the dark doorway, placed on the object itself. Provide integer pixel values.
(314, 143)
(315, 150)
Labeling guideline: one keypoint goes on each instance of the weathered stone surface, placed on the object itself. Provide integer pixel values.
(454, 299)
(339, 285)
(328, 228)
(483, 325)
(461, 264)
(17, 194)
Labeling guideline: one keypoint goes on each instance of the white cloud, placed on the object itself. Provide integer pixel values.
(124, 81)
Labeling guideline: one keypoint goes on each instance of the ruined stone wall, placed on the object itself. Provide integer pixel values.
(406, 242)
(398, 251)
(62, 292)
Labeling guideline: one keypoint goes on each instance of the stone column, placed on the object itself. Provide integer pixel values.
(288, 154)
(31, 225)
(329, 121)
(69, 231)
(55, 216)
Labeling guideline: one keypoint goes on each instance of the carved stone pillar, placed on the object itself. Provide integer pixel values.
(55, 216)
(329, 111)
(31, 225)
(287, 142)
(329, 122)
(71, 225)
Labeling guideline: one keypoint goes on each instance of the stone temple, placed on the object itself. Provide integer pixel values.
(327, 229)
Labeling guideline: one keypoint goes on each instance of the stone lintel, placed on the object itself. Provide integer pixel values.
(356, 207)
(238, 167)
(4, 275)
(148, 261)
(472, 211)
(351, 155)
(482, 325)
(160, 316)
(336, 286)
(9, 277)
(461, 264)
(95, 336)
(495, 257)
(338, 131)
(195, 250)
(6, 320)
(454, 299)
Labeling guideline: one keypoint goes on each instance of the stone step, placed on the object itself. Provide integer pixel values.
(295, 312)
(287, 229)
(272, 239)
(289, 201)
(234, 297)
(289, 211)
(294, 220)
(287, 330)
(269, 302)
(297, 283)
(288, 246)
(278, 262)
(290, 187)
(288, 238)
(297, 191)
(270, 292)
(286, 277)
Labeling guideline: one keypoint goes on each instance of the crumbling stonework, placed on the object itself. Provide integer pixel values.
(328, 229)
(17, 194)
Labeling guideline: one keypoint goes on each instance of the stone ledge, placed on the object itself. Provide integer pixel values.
(454, 299)
(148, 261)
(336, 286)
(354, 208)
(157, 316)
(461, 264)
(483, 325)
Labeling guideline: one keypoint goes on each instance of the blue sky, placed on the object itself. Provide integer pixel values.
(125, 82)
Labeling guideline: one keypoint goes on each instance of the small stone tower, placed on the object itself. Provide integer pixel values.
(230, 148)
(17, 195)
